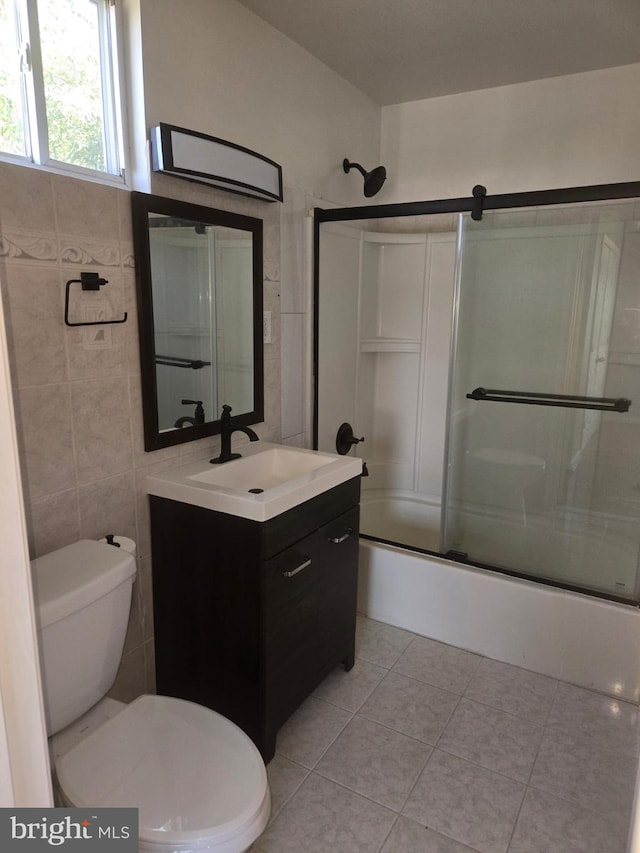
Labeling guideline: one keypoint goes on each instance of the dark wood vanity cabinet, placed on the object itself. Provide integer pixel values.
(249, 617)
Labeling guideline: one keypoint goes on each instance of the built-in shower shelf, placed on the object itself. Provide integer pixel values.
(390, 345)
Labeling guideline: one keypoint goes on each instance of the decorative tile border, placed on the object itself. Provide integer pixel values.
(74, 250)
(17, 245)
(34, 246)
(128, 257)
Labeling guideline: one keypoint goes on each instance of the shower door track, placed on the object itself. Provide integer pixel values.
(467, 204)
(461, 559)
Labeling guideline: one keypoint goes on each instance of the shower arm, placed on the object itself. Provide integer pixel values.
(605, 404)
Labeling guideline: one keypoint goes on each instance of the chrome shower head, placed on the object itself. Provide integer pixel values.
(373, 180)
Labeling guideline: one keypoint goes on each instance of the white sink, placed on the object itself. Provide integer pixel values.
(269, 479)
(263, 470)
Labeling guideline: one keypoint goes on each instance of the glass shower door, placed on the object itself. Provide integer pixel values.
(543, 461)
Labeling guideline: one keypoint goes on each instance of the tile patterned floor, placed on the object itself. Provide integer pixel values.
(425, 748)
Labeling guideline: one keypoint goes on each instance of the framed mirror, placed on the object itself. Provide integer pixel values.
(199, 287)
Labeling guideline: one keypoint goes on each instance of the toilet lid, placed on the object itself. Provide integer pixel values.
(193, 775)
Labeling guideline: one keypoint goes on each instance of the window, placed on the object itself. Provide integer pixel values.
(59, 98)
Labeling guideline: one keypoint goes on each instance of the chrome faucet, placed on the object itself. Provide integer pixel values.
(227, 428)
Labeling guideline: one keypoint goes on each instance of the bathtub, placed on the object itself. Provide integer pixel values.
(571, 549)
(567, 635)
(400, 516)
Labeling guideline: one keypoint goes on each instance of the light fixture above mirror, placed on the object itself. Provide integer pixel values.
(209, 160)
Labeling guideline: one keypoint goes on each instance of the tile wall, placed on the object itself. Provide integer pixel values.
(77, 390)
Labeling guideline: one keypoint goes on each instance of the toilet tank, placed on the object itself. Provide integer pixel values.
(82, 597)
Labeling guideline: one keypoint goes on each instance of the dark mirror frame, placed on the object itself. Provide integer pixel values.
(142, 205)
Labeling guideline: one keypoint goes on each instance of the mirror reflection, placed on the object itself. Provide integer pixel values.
(203, 284)
(200, 295)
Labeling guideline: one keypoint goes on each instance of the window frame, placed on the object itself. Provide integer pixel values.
(34, 109)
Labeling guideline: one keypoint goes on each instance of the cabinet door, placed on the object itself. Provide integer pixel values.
(310, 611)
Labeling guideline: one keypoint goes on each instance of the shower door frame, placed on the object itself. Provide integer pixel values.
(476, 204)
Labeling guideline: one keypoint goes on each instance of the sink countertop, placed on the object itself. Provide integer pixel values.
(290, 475)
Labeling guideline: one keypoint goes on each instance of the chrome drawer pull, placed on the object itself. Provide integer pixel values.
(338, 539)
(295, 571)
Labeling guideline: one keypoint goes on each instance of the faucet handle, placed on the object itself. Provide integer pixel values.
(345, 439)
(199, 412)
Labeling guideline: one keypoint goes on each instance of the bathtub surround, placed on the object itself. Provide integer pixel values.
(77, 390)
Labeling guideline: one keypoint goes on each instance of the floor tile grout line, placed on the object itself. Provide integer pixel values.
(342, 707)
(329, 745)
(386, 838)
(601, 812)
(438, 831)
(518, 668)
(422, 681)
(552, 703)
(373, 663)
(417, 779)
(528, 786)
(517, 818)
(399, 731)
(477, 764)
(503, 711)
(535, 758)
(449, 718)
(389, 728)
(594, 741)
(344, 785)
(386, 628)
(377, 662)
(398, 812)
(273, 816)
(352, 791)
(555, 681)
(570, 802)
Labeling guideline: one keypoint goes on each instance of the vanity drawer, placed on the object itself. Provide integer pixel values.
(285, 530)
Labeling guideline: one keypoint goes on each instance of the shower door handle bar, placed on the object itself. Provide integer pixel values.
(177, 361)
(605, 404)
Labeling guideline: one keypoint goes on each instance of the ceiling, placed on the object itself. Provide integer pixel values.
(405, 50)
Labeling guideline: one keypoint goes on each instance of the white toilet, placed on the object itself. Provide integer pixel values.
(198, 781)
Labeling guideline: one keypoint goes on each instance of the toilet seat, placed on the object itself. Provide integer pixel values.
(197, 779)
